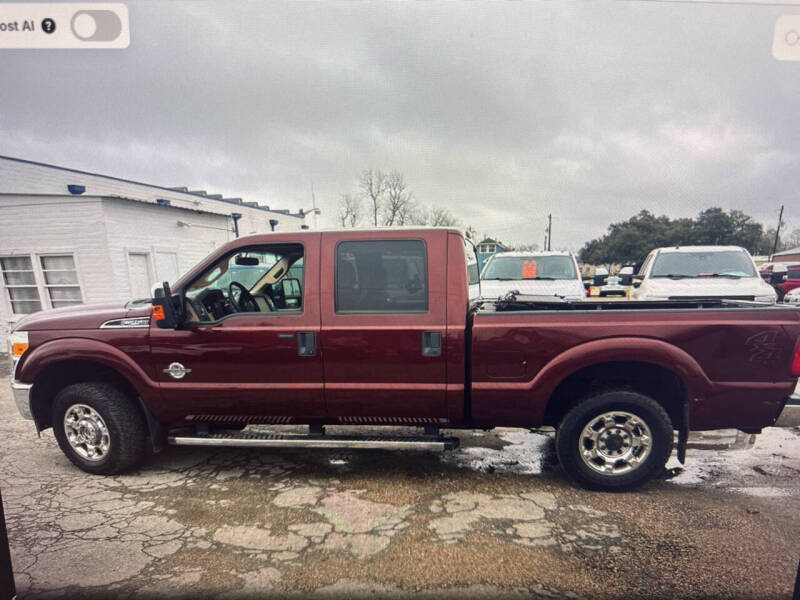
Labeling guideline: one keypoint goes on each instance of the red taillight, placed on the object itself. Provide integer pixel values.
(796, 361)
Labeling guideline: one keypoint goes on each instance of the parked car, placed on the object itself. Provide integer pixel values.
(689, 272)
(383, 333)
(613, 287)
(626, 275)
(532, 273)
(787, 280)
(792, 297)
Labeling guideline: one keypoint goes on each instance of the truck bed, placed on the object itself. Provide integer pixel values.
(730, 359)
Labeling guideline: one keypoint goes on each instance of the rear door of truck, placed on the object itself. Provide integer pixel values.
(383, 326)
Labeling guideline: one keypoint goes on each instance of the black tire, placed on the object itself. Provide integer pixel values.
(644, 408)
(127, 430)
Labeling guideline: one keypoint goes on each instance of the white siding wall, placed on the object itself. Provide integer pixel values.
(32, 225)
(110, 220)
(134, 227)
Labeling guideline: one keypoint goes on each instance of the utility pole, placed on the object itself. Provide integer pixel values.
(549, 231)
(313, 204)
(777, 233)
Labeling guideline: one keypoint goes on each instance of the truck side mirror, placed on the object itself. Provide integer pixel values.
(777, 277)
(587, 283)
(167, 308)
(636, 282)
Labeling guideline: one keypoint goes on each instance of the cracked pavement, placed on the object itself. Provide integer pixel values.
(494, 519)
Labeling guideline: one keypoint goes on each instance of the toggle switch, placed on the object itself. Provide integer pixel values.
(96, 25)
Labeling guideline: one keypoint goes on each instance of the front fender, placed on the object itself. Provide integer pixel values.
(77, 348)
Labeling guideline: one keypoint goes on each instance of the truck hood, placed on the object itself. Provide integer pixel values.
(722, 287)
(83, 316)
(569, 288)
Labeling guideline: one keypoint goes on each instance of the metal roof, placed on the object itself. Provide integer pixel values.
(20, 176)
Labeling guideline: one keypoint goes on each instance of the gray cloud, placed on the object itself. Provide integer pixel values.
(501, 112)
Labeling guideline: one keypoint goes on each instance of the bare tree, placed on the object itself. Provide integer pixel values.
(792, 240)
(398, 208)
(349, 211)
(373, 188)
(524, 247)
(441, 217)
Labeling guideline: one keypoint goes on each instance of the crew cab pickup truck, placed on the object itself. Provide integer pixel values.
(374, 327)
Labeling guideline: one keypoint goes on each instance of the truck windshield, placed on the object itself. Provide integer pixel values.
(530, 267)
(732, 263)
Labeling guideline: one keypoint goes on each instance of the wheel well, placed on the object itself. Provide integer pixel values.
(659, 383)
(55, 377)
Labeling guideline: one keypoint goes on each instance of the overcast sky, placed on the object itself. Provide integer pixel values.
(503, 113)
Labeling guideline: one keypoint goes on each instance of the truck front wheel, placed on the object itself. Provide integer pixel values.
(614, 440)
(99, 428)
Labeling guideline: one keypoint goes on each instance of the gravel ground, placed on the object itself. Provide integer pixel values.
(496, 519)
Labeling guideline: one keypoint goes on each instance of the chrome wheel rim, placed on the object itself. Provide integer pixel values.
(87, 432)
(615, 443)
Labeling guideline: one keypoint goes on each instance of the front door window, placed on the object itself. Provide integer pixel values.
(261, 279)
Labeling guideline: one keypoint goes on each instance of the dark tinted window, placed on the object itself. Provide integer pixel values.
(793, 273)
(381, 276)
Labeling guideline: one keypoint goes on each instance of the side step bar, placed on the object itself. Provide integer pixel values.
(274, 440)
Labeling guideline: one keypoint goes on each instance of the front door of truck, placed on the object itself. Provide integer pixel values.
(383, 327)
(250, 348)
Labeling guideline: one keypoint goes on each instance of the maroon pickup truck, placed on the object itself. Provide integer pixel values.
(375, 328)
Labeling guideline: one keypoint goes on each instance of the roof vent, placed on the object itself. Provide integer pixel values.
(76, 189)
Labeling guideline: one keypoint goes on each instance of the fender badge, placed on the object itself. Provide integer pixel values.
(177, 371)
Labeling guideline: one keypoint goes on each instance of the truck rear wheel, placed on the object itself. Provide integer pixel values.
(99, 428)
(614, 441)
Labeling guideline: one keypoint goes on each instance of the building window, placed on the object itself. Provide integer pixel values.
(61, 280)
(52, 283)
(387, 276)
(20, 283)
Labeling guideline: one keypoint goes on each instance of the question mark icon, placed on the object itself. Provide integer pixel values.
(48, 25)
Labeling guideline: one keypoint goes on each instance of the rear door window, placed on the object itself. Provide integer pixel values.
(387, 276)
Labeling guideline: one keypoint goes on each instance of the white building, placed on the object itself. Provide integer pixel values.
(69, 237)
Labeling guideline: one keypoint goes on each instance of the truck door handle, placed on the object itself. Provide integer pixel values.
(306, 343)
(431, 343)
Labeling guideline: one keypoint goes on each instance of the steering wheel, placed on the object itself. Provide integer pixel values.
(246, 302)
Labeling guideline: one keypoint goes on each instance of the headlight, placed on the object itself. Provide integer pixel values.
(770, 298)
(17, 345)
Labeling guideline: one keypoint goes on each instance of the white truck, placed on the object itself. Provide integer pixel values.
(551, 273)
(695, 272)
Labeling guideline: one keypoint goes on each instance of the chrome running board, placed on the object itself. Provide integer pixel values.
(274, 440)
